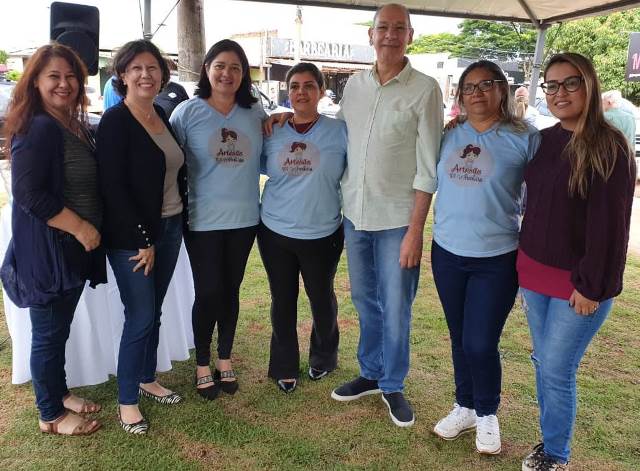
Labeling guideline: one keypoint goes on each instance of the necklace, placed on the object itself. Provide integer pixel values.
(299, 127)
(150, 116)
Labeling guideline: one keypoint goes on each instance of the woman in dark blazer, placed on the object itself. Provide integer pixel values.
(55, 221)
(141, 168)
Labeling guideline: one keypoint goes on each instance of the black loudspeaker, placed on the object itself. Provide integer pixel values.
(77, 26)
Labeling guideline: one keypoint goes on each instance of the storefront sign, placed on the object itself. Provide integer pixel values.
(633, 59)
(321, 50)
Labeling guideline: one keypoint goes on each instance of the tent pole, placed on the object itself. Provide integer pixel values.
(146, 29)
(537, 63)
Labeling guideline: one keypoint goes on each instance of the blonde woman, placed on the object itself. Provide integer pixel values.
(573, 244)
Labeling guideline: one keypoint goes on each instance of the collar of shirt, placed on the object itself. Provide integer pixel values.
(402, 77)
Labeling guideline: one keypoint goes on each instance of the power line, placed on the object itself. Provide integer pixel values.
(165, 18)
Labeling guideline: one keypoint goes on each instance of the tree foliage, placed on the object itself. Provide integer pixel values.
(3, 56)
(603, 39)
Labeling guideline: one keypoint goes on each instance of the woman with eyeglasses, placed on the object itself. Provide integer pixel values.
(475, 239)
(573, 243)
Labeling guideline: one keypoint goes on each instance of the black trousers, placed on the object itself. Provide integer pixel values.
(218, 260)
(285, 259)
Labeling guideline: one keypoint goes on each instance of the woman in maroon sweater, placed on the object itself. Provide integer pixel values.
(573, 243)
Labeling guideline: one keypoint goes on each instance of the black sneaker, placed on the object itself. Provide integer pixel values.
(538, 460)
(399, 409)
(315, 374)
(356, 389)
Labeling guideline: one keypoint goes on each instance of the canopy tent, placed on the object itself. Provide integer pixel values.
(542, 13)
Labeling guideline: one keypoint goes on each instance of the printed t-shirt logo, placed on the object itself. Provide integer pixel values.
(298, 158)
(470, 165)
(229, 147)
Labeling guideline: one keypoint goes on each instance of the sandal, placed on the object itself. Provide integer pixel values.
(86, 406)
(210, 392)
(141, 427)
(83, 426)
(230, 387)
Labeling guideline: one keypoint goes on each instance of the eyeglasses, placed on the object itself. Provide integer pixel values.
(483, 86)
(570, 84)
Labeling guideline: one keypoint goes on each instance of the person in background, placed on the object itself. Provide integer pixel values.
(475, 237)
(621, 118)
(394, 121)
(110, 96)
(573, 244)
(173, 93)
(522, 109)
(221, 131)
(143, 183)
(56, 218)
(301, 229)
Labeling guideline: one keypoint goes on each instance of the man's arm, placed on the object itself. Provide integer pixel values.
(411, 247)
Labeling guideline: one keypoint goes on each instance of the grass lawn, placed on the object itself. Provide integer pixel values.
(261, 428)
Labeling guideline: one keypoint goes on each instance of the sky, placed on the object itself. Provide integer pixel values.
(25, 23)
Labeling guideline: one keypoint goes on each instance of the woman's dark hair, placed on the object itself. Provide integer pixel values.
(26, 100)
(127, 53)
(244, 97)
(507, 110)
(305, 67)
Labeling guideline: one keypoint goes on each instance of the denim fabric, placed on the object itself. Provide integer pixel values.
(382, 293)
(50, 326)
(560, 337)
(142, 297)
(477, 295)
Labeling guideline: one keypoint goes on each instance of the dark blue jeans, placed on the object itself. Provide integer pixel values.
(477, 295)
(142, 297)
(50, 326)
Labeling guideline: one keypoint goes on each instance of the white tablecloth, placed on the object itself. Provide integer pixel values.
(92, 349)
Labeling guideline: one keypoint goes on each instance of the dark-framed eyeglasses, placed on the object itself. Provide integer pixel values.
(570, 84)
(482, 85)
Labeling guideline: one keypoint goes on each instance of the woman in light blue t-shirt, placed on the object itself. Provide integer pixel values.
(221, 132)
(475, 238)
(301, 229)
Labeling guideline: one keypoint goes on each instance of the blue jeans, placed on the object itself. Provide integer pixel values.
(382, 293)
(560, 337)
(142, 297)
(477, 295)
(50, 326)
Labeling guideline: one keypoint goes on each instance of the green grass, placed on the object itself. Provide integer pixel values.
(261, 428)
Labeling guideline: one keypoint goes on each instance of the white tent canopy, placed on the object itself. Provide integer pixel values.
(542, 13)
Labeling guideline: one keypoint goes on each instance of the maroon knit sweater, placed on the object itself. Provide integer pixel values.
(587, 236)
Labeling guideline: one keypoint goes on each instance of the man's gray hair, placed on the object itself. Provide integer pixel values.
(397, 5)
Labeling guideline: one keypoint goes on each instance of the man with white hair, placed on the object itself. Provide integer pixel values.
(622, 118)
(394, 118)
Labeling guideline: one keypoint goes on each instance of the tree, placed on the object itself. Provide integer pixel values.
(3, 56)
(604, 40)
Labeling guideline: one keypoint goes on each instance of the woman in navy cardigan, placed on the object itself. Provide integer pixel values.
(141, 171)
(55, 221)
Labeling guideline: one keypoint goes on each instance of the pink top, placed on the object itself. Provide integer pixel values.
(543, 279)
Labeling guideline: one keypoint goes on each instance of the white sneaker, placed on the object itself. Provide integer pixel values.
(459, 420)
(488, 435)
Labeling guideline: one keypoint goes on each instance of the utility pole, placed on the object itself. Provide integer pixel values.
(146, 28)
(298, 41)
(191, 47)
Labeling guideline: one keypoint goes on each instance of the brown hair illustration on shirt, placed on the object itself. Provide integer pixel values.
(298, 146)
(229, 137)
(470, 154)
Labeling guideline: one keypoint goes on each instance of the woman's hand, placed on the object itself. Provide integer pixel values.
(452, 124)
(87, 235)
(280, 118)
(145, 258)
(582, 305)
